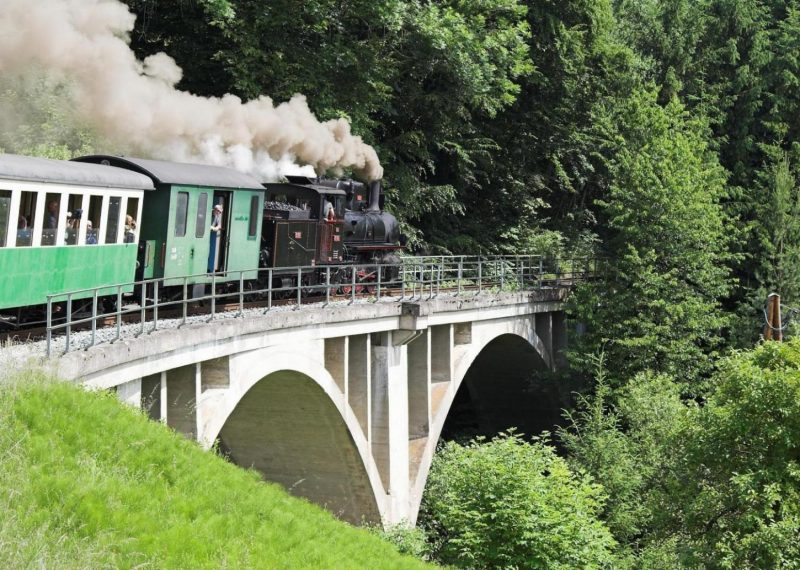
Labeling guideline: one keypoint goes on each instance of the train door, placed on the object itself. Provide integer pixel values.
(221, 245)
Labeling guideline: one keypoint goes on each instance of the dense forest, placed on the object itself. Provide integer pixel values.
(660, 136)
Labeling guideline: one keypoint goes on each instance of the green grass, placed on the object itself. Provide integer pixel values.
(86, 482)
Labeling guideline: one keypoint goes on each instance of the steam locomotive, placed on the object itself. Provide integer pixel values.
(317, 222)
(107, 220)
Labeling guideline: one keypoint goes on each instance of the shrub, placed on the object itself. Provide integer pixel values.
(512, 504)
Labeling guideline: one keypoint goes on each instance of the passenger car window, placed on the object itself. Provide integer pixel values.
(74, 219)
(181, 211)
(52, 211)
(25, 218)
(93, 219)
(251, 231)
(112, 221)
(200, 222)
(131, 224)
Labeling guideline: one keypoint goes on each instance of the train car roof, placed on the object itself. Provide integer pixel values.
(34, 169)
(311, 187)
(180, 173)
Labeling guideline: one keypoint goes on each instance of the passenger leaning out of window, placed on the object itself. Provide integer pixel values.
(130, 229)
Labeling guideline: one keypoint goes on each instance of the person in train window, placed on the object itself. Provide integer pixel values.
(130, 229)
(91, 235)
(52, 215)
(216, 228)
(328, 212)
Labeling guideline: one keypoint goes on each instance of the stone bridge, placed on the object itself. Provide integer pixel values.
(341, 405)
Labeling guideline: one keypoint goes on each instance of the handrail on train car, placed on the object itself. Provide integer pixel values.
(413, 278)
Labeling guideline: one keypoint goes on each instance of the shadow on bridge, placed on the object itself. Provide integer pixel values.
(288, 429)
(509, 385)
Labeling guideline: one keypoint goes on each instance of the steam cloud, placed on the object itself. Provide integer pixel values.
(135, 105)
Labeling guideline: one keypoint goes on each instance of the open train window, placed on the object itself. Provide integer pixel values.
(25, 218)
(112, 220)
(181, 212)
(200, 221)
(131, 223)
(93, 219)
(74, 218)
(52, 212)
(5, 211)
(339, 206)
(251, 230)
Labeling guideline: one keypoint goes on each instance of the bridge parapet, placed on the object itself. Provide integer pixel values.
(414, 279)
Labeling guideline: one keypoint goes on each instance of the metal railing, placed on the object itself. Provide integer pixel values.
(230, 293)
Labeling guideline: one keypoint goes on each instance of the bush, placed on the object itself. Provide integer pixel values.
(511, 504)
(708, 485)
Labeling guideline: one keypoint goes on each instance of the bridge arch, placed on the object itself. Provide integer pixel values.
(286, 418)
(518, 344)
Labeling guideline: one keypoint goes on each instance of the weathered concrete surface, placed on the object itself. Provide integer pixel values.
(101, 366)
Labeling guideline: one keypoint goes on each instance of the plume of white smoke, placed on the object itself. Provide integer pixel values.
(135, 105)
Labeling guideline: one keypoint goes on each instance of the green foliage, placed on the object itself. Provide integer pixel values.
(90, 483)
(511, 504)
(657, 304)
(734, 62)
(406, 539)
(708, 486)
(779, 233)
(413, 76)
(35, 119)
(621, 437)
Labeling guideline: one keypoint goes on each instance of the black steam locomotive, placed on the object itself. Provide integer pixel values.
(313, 223)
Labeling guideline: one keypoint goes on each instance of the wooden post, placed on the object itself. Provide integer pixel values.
(772, 331)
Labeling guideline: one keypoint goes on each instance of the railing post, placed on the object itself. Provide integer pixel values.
(379, 282)
(442, 277)
(49, 323)
(155, 305)
(241, 294)
(213, 295)
(352, 284)
(68, 317)
(143, 306)
(327, 285)
(269, 289)
(94, 316)
(460, 272)
(480, 275)
(119, 313)
(502, 274)
(299, 286)
(185, 300)
(403, 276)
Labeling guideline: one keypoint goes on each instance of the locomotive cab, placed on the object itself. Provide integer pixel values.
(303, 224)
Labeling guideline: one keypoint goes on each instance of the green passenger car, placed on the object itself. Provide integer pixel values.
(63, 227)
(176, 236)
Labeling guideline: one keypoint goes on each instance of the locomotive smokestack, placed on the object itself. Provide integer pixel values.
(374, 196)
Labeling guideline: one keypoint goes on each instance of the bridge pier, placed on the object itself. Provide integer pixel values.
(390, 422)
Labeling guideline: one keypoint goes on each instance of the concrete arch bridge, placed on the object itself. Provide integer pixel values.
(341, 405)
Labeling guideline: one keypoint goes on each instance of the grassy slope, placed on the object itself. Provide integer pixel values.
(86, 482)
